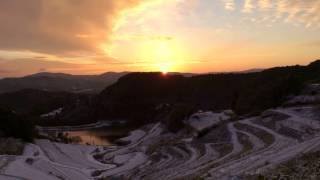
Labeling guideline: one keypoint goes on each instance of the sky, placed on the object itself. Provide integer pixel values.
(199, 36)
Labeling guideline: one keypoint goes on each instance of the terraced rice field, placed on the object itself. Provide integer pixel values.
(247, 146)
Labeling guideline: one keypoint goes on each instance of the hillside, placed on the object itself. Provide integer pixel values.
(136, 96)
(32, 101)
(147, 97)
(37, 103)
(60, 82)
(281, 142)
(273, 133)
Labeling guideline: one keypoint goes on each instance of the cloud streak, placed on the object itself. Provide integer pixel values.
(229, 5)
(306, 12)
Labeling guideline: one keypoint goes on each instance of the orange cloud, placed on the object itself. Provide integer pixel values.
(83, 36)
(69, 28)
(20, 67)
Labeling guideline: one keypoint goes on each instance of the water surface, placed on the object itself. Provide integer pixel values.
(97, 136)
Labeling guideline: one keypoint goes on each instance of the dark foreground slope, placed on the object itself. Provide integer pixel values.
(14, 125)
(139, 96)
(34, 103)
(279, 143)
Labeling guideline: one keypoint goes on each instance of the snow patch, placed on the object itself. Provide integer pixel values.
(204, 120)
(134, 136)
(136, 159)
(52, 113)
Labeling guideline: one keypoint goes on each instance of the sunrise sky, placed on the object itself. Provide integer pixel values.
(96, 36)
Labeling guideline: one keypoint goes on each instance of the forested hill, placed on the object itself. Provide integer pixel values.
(137, 95)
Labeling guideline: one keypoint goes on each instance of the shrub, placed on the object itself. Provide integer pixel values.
(11, 146)
(17, 126)
(177, 115)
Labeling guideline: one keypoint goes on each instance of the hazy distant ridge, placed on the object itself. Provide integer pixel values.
(60, 82)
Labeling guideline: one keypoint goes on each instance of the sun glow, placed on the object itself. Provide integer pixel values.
(164, 67)
(163, 55)
(145, 48)
(162, 51)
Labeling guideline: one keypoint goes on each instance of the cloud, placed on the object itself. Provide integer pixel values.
(13, 67)
(4, 72)
(265, 4)
(69, 27)
(21, 67)
(303, 12)
(306, 12)
(248, 6)
(314, 44)
(75, 35)
(144, 37)
(229, 5)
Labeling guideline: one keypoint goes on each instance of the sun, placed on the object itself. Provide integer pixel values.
(162, 51)
(164, 68)
(153, 54)
(163, 55)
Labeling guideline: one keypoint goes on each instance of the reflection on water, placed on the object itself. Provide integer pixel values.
(97, 136)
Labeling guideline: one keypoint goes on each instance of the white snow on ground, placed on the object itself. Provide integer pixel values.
(52, 113)
(256, 142)
(258, 162)
(48, 160)
(136, 160)
(71, 155)
(298, 119)
(42, 169)
(134, 136)
(248, 162)
(204, 120)
(154, 153)
(8, 177)
(122, 158)
(304, 99)
(310, 96)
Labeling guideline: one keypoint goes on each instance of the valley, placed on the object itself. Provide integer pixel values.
(221, 126)
(233, 148)
(159, 90)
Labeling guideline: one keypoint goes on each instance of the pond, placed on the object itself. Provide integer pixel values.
(93, 136)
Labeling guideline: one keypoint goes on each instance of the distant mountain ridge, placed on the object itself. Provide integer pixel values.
(239, 72)
(47, 81)
(137, 97)
(61, 82)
